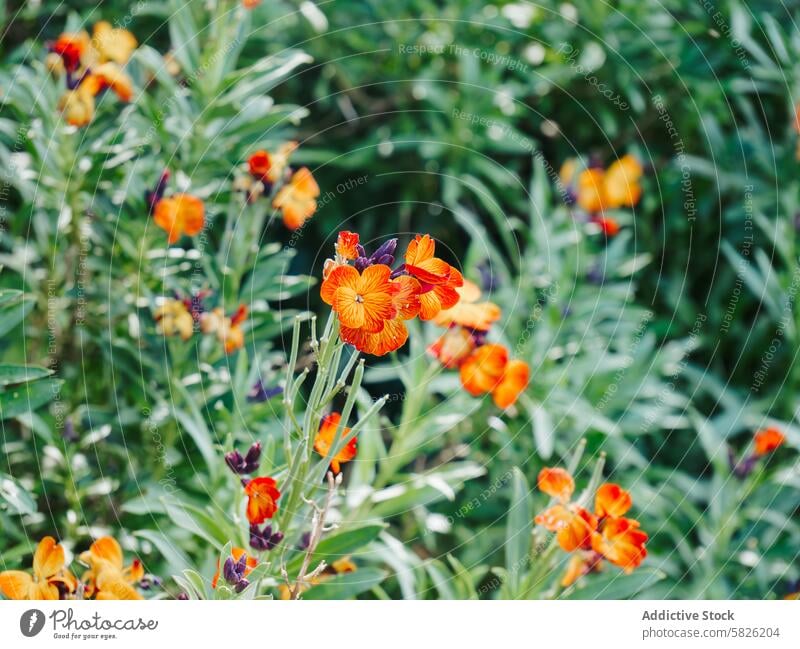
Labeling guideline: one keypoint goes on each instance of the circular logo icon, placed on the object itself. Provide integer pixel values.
(31, 622)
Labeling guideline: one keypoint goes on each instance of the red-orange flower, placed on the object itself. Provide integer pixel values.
(361, 300)
(323, 442)
(236, 555)
(609, 226)
(438, 279)
(468, 312)
(453, 347)
(515, 379)
(768, 440)
(71, 48)
(259, 164)
(297, 199)
(262, 503)
(621, 182)
(347, 245)
(180, 214)
(483, 370)
(573, 525)
(611, 500)
(621, 542)
(557, 483)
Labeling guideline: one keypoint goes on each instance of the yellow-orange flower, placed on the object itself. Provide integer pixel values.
(297, 200)
(611, 500)
(48, 573)
(323, 442)
(77, 106)
(608, 225)
(621, 542)
(173, 319)
(180, 214)
(72, 49)
(262, 494)
(236, 555)
(590, 190)
(113, 43)
(767, 440)
(361, 300)
(109, 75)
(483, 370)
(468, 312)
(438, 279)
(621, 186)
(515, 379)
(453, 347)
(108, 578)
(573, 525)
(556, 483)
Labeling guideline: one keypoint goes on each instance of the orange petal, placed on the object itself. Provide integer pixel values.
(611, 500)
(515, 379)
(483, 370)
(556, 482)
(106, 548)
(339, 276)
(16, 584)
(48, 558)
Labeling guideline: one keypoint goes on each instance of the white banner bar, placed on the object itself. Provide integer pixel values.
(406, 625)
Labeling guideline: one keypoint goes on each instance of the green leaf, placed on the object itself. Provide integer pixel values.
(28, 397)
(614, 585)
(346, 585)
(13, 374)
(519, 526)
(338, 545)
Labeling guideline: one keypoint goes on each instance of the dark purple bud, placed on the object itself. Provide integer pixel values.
(68, 433)
(253, 458)
(274, 540)
(152, 197)
(258, 393)
(400, 270)
(241, 585)
(386, 249)
(361, 263)
(305, 541)
(386, 260)
(361, 250)
(229, 571)
(488, 280)
(235, 462)
(182, 596)
(595, 275)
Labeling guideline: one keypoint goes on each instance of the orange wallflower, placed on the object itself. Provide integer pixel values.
(180, 214)
(573, 525)
(113, 43)
(439, 280)
(236, 555)
(250, 4)
(108, 578)
(557, 483)
(347, 245)
(767, 440)
(297, 199)
(111, 76)
(259, 164)
(590, 190)
(621, 542)
(453, 347)
(609, 226)
(611, 500)
(515, 379)
(621, 182)
(262, 503)
(361, 300)
(77, 106)
(173, 319)
(580, 564)
(468, 312)
(71, 48)
(323, 442)
(48, 573)
(483, 370)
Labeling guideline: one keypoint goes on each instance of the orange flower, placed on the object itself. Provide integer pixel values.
(346, 245)
(48, 573)
(297, 199)
(557, 483)
(768, 440)
(439, 280)
(323, 442)
(621, 542)
(573, 525)
(107, 577)
(77, 106)
(109, 75)
(590, 190)
(581, 564)
(515, 379)
(262, 494)
(113, 43)
(483, 371)
(180, 214)
(361, 300)
(250, 4)
(468, 312)
(621, 182)
(609, 226)
(259, 164)
(71, 48)
(236, 555)
(611, 500)
(453, 347)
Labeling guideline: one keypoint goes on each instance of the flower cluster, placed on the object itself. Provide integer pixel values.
(594, 536)
(373, 301)
(91, 65)
(765, 442)
(597, 190)
(106, 578)
(181, 316)
(297, 191)
(485, 368)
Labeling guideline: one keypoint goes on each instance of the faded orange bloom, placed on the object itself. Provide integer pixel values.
(180, 214)
(344, 565)
(48, 573)
(483, 370)
(236, 554)
(590, 190)
(71, 48)
(113, 43)
(621, 542)
(573, 525)
(346, 244)
(297, 200)
(108, 578)
(768, 440)
(77, 106)
(228, 330)
(323, 442)
(361, 300)
(438, 279)
(111, 76)
(581, 563)
(515, 379)
(259, 164)
(621, 182)
(173, 319)
(468, 312)
(453, 347)
(250, 4)
(557, 483)
(262, 503)
(611, 500)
